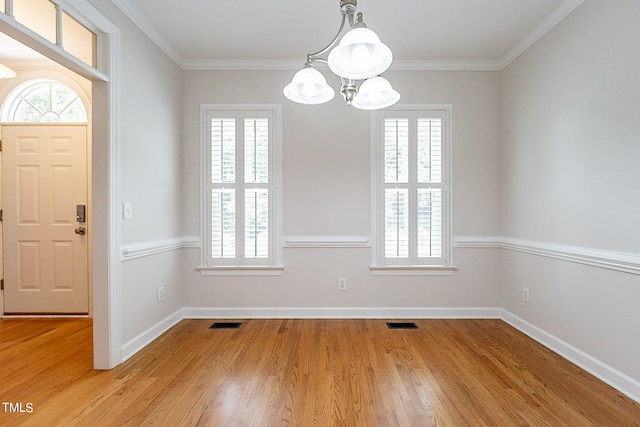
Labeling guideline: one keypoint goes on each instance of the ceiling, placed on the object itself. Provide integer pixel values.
(200, 32)
(446, 34)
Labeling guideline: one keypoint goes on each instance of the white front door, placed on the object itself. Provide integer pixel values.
(45, 252)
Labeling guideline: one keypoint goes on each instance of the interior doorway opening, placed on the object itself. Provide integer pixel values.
(46, 204)
(104, 74)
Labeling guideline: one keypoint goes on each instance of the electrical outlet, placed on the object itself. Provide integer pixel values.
(161, 294)
(525, 294)
(342, 284)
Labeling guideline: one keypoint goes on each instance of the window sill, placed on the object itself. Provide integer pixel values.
(413, 270)
(258, 270)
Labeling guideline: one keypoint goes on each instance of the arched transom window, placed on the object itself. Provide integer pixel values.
(45, 101)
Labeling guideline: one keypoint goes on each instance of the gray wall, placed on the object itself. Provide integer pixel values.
(545, 150)
(570, 167)
(150, 159)
(327, 186)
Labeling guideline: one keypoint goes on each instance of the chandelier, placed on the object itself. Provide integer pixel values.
(6, 72)
(359, 57)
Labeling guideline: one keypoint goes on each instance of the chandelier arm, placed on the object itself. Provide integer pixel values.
(358, 23)
(355, 22)
(316, 56)
(309, 86)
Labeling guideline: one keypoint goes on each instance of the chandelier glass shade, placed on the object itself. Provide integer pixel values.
(309, 86)
(358, 60)
(360, 55)
(6, 72)
(375, 93)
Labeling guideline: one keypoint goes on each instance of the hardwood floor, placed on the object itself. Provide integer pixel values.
(302, 373)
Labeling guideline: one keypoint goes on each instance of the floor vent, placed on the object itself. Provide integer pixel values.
(225, 325)
(402, 325)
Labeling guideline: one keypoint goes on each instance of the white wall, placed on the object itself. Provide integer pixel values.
(564, 171)
(326, 168)
(150, 133)
(570, 170)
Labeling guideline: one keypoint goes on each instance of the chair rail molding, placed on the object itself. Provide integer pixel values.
(326, 241)
(477, 242)
(612, 260)
(152, 247)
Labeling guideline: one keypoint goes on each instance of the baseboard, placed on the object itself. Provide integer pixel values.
(136, 344)
(600, 370)
(45, 316)
(341, 313)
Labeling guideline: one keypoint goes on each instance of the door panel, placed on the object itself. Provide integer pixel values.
(28, 201)
(28, 265)
(45, 177)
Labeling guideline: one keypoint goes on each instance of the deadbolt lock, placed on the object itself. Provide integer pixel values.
(81, 213)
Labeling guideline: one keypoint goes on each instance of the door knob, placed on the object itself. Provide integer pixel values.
(81, 230)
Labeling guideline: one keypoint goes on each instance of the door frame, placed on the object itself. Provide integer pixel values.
(105, 165)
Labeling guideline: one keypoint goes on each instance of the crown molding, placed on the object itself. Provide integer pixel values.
(134, 14)
(487, 65)
(541, 30)
(294, 65)
(244, 65)
(147, 28)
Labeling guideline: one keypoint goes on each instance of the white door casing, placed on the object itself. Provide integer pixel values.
(45, 178)
(105, 178)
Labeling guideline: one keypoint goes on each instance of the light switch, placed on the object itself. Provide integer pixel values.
(127, 211)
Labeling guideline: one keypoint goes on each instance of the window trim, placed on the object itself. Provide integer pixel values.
(274, 266)
(378, 267)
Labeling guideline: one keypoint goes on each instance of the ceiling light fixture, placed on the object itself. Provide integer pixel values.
(360, 55)
(6, 72)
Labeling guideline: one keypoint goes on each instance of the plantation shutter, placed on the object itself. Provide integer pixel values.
(396, 198)
(412, 198)
(223, 200)
(429, 187)
(241, 189)
(256, 171)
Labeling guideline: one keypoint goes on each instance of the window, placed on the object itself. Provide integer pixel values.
(51, 21)
(410, 170)
(45, 101)
(242, 157)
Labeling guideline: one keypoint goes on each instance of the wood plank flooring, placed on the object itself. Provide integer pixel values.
(302, 373)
